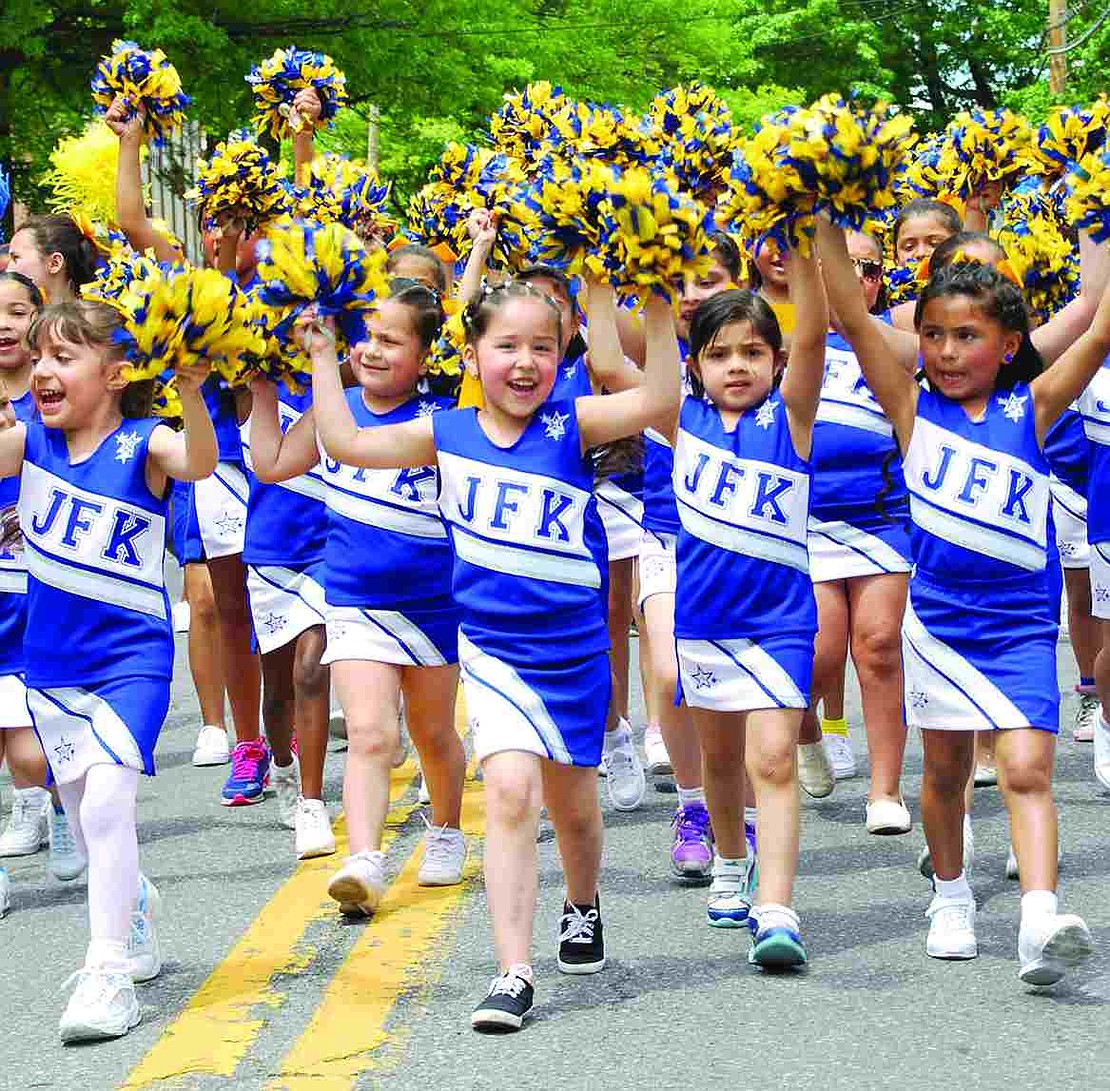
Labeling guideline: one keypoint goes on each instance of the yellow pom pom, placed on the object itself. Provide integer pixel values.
(83, 173)
(980, 147)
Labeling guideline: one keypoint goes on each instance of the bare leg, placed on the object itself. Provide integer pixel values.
(311, 693)
(430, 712)
(241, 667)
(570, 793)
(1084, 631)
(949, 759)
(829, 656)
(1025, 759)
(620, 618)
(206, 662)
(721, 735)
(771, 752)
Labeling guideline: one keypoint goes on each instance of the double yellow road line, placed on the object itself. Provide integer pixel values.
(350, 1027)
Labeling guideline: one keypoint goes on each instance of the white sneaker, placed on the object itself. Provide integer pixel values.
(843, 758)
(314, 834)
(626, 782)
(655, 751)
(359, 885)
(815, 771)
(182, 615)
(65, 861)
(28, 828)
(423, 796)
(211, 746)
(887, 816)
(925, 860)
(5, 892)
(730, 895)
(143, 951)
(444, 857)
(103, 1005)
(1102, 752)
(951, 928)
(1012, 870)
(1051, 944)
(1086, 718)
(286, 783)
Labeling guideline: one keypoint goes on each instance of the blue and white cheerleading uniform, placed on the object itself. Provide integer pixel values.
(219, 517)
(859, 509)
(99, 642)
(530, 581)
(388, 560)
(979, 638)
(1068, 451)
(287, 527)
(13, 601)
(745, 612)
(1094, 405)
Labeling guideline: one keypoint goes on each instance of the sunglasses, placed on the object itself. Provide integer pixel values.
(869, 270)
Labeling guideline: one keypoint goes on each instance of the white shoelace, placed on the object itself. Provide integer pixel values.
(1088, 712)
(619, 761)
(440, 845)
(578, 927)
(953, 915)
(62, 841)
(508, 985)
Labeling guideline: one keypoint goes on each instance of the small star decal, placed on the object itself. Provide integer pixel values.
(126, 444)
(1013, 406)
(1102, 594)
(765, 414)
(229, 524)
(652, 567)
(703, 677)
(571, 369)
(919, 698)
(339, 629)
(1067, 549)
(64, 750)
(554, 424)
(273, 622)
(426, 409)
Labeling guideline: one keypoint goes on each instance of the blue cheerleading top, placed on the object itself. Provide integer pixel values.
(221, 408)
(572, 380)
(387, 546)
(531, 557)
(1094, 406)
(979, 490)
(287, 522)
(13, 573)
(94, 543)
(856, 464)
(1068, 450)
(743, 498)
(660, 509)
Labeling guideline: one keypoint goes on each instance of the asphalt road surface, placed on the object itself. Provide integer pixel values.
(265, 986)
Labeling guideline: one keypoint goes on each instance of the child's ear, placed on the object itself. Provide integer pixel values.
(470, 361)
(1011, 344)
(116, 379)
(55, 263)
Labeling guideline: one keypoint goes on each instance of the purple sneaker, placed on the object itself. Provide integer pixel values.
(250, 774)
(749, 836)
(692, 851)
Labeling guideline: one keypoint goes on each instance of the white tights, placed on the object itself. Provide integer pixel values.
(100, 807)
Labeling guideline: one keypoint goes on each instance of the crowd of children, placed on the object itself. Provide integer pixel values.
(751, 452)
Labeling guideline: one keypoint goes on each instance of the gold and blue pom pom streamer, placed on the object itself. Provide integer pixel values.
(82, 175)
(982, 146)
(902, 283)
(121, 270)
(528, 124)
(1088, 202)
(1069, 134)
(277, 80)
(568, 201)
(144, 80)
(445, 357)
(694, 126)
(239, 182)
(166, 402)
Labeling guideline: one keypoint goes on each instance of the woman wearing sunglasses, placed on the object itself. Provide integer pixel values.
(859, 560)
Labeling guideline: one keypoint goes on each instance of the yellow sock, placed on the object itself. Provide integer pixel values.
(834, 727)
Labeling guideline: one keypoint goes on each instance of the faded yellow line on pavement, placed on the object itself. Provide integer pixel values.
(215, 1030)
(348, 1030)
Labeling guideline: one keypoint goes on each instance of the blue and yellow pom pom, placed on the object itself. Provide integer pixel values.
(277, 80)
(1069, 134)
(145, 81)
(695, 128)
(239, 182)
(83, 173)
(983, 146)
(1088, 202)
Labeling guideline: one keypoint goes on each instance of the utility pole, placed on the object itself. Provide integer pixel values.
(1057, 40)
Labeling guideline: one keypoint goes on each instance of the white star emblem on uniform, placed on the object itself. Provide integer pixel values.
(765, 414)
(702, 677)
(1013, 406)
(570, 369)
(126, 443)
(272, 622)
(229, 524)
(1102, 594)
(65, 749)
(554, 424)
(426, 409)
(918, 698)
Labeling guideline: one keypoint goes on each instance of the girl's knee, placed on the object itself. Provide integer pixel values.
(1025, 777)
(310, 677)
(773, 767)
(511, 801)
(878, 648)
(373, 740)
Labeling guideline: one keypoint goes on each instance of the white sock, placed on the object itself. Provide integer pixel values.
(958, 889)
(723, 863)
(106, 954)
(686, 796)
(749, 815)
(521, 969)
(621, 736)
(1038, 903)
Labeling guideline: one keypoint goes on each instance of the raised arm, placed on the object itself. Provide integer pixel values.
(603, 418)
(408, 444)
(307, 105)
(1053, 338)
(801, 385)
(886, 375)
(606, 359)
(1058, 386)
(481, 226)
(192, 453)
(131, 211)
(278, 457)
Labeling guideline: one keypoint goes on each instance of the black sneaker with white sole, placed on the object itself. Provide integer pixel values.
(506, 1005)
(581, 942)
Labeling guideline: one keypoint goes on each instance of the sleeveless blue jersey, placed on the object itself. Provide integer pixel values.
(856, 464)
(743, 498)
(221, 408)
(531, 557)
(94, 543)
(387, 545)
(660, 509)
(978, 490)
(287, 523)
(13, 573)
(1094, 405)
(572, 380)
(1068, 450)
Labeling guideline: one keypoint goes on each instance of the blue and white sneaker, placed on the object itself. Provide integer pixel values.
(730, 895)
(143, 953)
(776, 939)
(250, 774)
(5, 892)
(749, 836)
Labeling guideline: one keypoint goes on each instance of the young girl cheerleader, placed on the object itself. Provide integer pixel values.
(1094, 406)
(529, 581)
(745, 616)
(52, 251)
(859, 558)
(94, 473)
(391, 623)
(979, 640)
